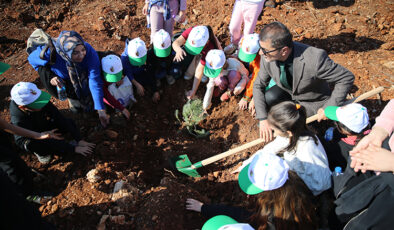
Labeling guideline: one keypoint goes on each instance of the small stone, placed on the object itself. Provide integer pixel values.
(308, 35)
(216, 174)
(93, 176)
(195, 11)
(154, 217)
(389, 64)
(54, 208)
(135, 137)
(108, 181)
(111, 134)
(299, 30)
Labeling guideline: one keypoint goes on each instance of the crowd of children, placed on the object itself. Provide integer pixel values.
(286, 179)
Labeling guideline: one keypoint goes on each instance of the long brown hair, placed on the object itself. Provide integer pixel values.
(285, 116)
(289, 207)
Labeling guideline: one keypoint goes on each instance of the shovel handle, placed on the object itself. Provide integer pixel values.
(231, 151)
(260, 140)
(359, 98)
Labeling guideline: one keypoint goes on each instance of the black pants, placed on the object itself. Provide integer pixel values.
(275, 95)
(15, 212)
(16, 170)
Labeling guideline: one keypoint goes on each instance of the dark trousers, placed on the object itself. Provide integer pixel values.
(275, 95)
(15, 212)
(16, 170)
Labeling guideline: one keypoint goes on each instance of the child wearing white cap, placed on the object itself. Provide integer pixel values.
(301, 148)
(249, 47)
(30, 108)
(352, 123)
(230, 76)
(245, 12)
(196, 41)
(162, 56)
(118, 91)
(274, 187)
(138, 68)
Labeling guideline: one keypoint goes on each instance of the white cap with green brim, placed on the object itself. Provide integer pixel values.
(266, 172)
(354, 116)
(214, 62)
(136, 51)
(249, 48)
(222, 222)
(112, 68)
(27, 94)
(196, 40)
(162, 43)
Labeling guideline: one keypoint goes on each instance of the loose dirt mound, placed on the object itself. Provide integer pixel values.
(356, 34)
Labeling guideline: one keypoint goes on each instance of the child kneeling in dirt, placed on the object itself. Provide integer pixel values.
(274, 187)
(229, 75)
(118, 90)
(352, 123)
(138, 69)
(301, 149)
(249, 47)
(31, 109)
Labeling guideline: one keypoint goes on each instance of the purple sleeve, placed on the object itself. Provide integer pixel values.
(95, 81)
(182, 5)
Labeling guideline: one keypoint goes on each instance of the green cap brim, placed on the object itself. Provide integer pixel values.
(217, 222)
(211, 73)
(193, 50)
(245, 57)
(3, 67)
(331, 112)
(245, 183)
(41, 101)
(113, 77)
(137, 61)
(162, 52)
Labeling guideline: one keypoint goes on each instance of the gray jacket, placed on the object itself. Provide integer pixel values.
(313, 71)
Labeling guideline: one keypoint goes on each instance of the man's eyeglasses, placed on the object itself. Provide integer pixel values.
(267, 52)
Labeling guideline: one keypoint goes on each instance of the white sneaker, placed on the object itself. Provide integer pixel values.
(187, 77)
(44, 159)
(230, 48)
(204, 79)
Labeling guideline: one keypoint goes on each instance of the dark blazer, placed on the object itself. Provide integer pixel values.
(313, 71)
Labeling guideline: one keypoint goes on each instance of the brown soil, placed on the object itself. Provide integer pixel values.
(356, 34)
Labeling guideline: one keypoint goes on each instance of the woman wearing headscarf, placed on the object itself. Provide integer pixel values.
(77, 68)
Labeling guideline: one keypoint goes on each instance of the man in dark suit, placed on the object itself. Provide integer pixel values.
(302, 73)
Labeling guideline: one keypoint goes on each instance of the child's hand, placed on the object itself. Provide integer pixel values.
(193, 205)
(126, 113)
(83, 150)
(252, 109)
(86, 144)
(320, 115)
(156, 97)
(140, 89)
(50, 135)
(179, 55)
(190, 94)
(243, 104)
